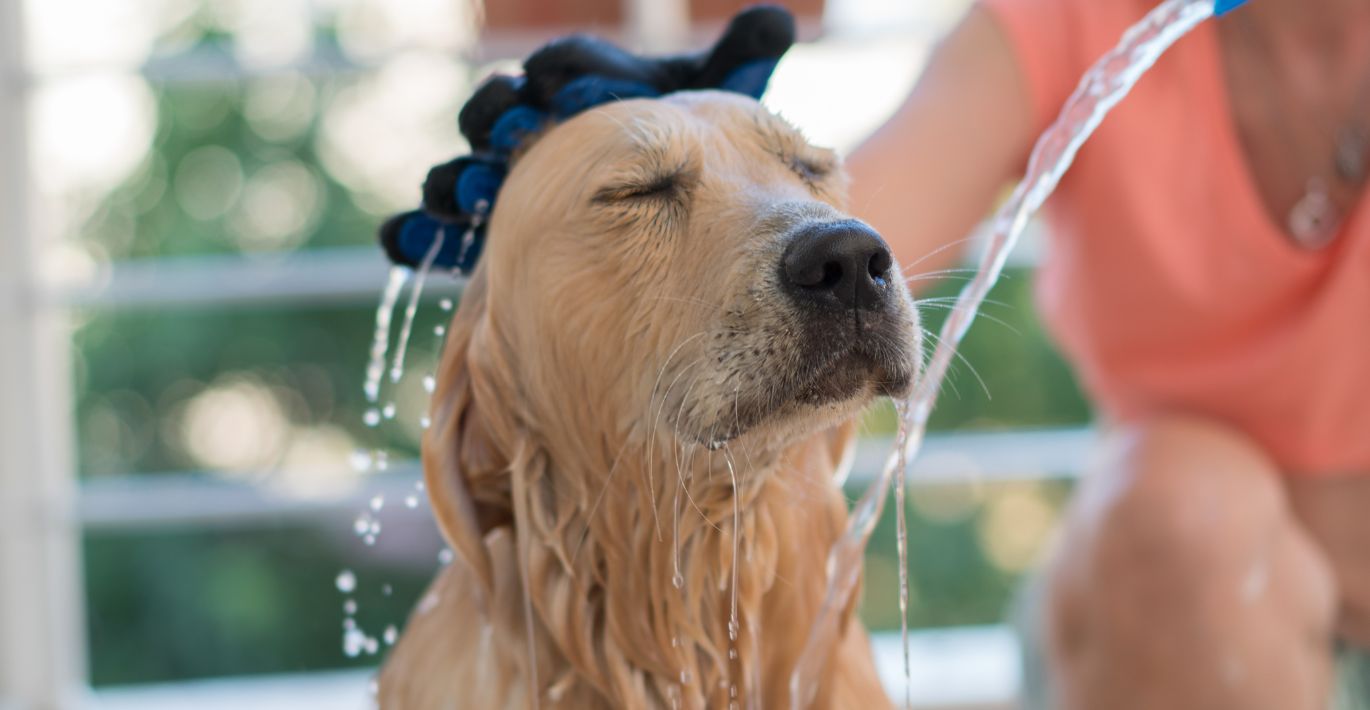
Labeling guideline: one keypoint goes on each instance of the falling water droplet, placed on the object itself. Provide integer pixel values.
(675, 642)
(445, 304)
(445, 556)
(389, 410)
(377, 503)
(362, 525)
(387, 590)
(732, 653)
(372, 417)
(390, 635)
(678, 580)
(369, 540)
(349, 623)
(346, 581)
(732, 629)
(372, 646)
(382, 460)
(350, 607)
(425, 422)
(440, 330)
(353, 642)
(684, 677)
(361, 460)
(429, 384)
(411, 501)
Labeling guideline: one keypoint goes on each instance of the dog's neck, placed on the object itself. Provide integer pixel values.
(629, 558)
(618, 544)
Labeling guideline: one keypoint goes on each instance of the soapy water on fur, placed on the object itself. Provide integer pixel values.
(1101, 88)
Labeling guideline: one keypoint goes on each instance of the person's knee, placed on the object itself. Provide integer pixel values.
(1177, 512)
(1181, 495)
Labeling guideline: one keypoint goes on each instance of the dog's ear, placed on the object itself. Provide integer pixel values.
(463, 464)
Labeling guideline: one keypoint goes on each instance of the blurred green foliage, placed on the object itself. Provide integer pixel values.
(180, 603)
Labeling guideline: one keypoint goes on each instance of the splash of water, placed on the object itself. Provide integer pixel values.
(1101, 88)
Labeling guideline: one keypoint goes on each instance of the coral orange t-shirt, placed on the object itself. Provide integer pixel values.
(1166, 283)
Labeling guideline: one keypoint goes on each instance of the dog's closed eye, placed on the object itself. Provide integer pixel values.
(808, 169)
(659, 187)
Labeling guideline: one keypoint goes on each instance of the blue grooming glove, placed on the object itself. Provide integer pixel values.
(564, 78)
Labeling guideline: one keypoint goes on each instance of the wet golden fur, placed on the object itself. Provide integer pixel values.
(620, 374)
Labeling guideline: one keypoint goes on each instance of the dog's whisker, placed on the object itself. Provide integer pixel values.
(964, 361)
(941, 275)
(599, 498)
(939, 250)
(690, 451)
(981, 315)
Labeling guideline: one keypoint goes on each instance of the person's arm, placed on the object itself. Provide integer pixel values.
(930, 174)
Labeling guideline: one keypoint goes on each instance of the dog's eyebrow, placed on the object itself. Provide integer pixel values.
(649, 153)
(785, 142)
(777, 136)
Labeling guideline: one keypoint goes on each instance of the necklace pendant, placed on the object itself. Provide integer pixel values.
(1351, 155)
(1314, 218)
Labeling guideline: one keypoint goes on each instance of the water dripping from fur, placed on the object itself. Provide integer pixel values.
(677, 578)
(380, 341)
(737, 536)
(902, 547)
(411, 310)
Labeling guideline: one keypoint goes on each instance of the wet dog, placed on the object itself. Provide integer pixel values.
(648, 388)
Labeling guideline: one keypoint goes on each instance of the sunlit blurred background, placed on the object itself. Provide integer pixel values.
(193, 510)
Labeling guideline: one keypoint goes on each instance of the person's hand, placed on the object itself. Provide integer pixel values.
(563, 78)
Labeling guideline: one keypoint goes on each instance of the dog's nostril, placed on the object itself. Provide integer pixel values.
(845, 262)
(832, 275)
(880, 264)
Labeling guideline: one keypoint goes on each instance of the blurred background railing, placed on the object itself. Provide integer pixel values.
(188, 193)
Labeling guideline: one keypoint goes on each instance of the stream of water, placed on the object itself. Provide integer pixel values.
(1101, 88)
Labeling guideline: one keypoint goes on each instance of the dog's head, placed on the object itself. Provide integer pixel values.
(683, 266)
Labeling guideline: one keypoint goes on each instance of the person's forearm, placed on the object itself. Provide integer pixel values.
(927, 177)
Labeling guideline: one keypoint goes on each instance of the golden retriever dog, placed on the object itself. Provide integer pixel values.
(648, 388)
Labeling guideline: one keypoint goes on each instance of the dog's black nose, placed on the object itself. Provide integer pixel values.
(843, 263)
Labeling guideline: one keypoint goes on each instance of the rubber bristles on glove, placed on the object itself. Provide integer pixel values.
(563, 78)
